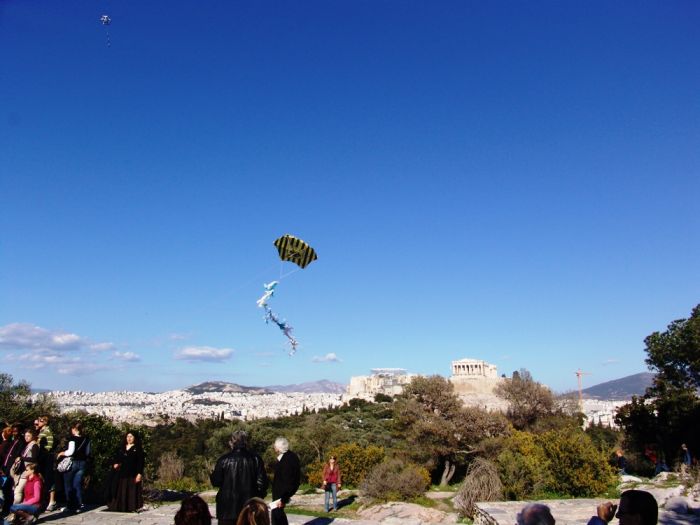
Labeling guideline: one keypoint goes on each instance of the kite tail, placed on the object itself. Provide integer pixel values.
(272, 316)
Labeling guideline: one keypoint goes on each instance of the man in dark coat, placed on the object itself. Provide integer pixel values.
(239, 475)
(286, 481)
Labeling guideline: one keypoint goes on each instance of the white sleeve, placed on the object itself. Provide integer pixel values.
(71, 449)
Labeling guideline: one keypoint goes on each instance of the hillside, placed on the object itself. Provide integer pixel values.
(620, 389)
(315, 387)
(222, 386)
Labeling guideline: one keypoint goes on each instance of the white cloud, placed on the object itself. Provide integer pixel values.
(127, 356)
(608, 362)
(328, 358)
(102, 347)
(82, 368)
(34, 347)
(25, 336)
(204, 353)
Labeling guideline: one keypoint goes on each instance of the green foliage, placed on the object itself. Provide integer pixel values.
(354, 462)
(675, 353)
(669, 412)
(563, 462)
(523, 467)
(435, 430)
(16, 405)
(395, 480)
(576, 466)
(528, 400)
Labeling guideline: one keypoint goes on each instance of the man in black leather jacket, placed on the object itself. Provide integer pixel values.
(239, 475)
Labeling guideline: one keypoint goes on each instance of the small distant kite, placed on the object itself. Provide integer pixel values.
(297, 251)
(106, 21)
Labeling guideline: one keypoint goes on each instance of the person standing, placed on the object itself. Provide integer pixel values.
(128, 464)
(29, 455)
(46, 459)
(286, 480)
(78, 450)
(239, 475)
(11, 450)
(686, 459)
(331, 482)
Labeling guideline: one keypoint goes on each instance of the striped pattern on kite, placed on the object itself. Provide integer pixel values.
(295, 250)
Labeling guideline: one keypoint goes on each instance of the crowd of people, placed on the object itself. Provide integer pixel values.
(32, 465)
(30, 469)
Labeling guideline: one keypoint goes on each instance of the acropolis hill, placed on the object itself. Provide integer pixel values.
(474, 382)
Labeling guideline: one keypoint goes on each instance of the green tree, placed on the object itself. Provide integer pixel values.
(17, 404)
(675, 353)
(436, 430)
(528, 400)
(669, 412)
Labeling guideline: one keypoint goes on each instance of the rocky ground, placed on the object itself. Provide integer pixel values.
(679, 504)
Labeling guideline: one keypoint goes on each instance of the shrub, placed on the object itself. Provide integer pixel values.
(395, 480)
(577, 467)
(354, 462)
(523, 467)
(481, 484)
(171, 468)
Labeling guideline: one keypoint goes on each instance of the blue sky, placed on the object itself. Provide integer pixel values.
(511, 181)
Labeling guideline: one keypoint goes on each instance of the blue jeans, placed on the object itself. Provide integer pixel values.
(330, 487)
(73, 484)
(31, 509)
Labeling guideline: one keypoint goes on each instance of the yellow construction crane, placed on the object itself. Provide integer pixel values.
(579, 374)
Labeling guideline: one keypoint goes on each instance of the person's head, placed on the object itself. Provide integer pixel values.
(16, 430)
(239, 439)
(41, 422)
(31, 469)
(31, 434)
(193, 511)
(130, 438)
(637, 507)
(332, 461)
(684, 446)
(76, 428)
(6, 433)
(281, 445)
(254, 512)
(618, 452)
(535, 514)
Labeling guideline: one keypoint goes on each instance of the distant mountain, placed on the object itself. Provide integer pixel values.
(222, 386)
(323, 386)
(620, 389)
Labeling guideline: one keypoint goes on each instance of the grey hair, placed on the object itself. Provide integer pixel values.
(239, 439)
(281, 445)
(535, 514)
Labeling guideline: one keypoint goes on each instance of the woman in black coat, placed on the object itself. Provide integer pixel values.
(128, 469)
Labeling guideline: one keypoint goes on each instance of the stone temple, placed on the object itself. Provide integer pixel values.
(474, 382)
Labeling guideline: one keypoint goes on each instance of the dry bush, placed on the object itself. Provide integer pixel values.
(481, 484)
(395, 480)
(171, 468)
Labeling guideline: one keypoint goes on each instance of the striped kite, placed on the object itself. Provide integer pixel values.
(297, 251)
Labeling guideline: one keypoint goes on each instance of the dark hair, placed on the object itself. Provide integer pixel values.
(137, 438)
(193, 511)
(77, 425)
(33, 431)
(639, 502)
(239, 439)
(254, 512)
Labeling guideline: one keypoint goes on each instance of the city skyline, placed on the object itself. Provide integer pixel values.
(516, 183)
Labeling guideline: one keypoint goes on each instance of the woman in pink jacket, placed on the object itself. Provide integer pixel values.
(29, 508)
